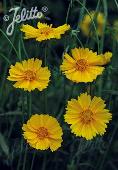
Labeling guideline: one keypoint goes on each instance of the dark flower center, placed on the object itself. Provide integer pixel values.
(81, 65)
(86, 116)
(29, 75)
(42, 133)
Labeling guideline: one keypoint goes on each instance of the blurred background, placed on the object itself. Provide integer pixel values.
(75, 153)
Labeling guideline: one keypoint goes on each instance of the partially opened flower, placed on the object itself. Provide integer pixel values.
(43, 132)
(29, 75)
(90, 21)
(44, 31)
(87, 117)
(106, 58)
(115, 30)
(83, 66)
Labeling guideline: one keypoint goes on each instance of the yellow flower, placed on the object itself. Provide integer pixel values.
(87, 23)
(44, 31)
(29, 75)
(88, 117)
(83, 66)
(115, 30)
(43, 132)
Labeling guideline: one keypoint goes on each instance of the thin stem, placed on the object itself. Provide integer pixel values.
(25, 157)
(116, 3)
(33, 158)
(110, 142)
(93, 43)
(45, 63)
(7, 60)
(102, 42)
(19, 160)
(68, 11)
(10, 42)
(44, 162)
(89, 89)
(21, 2)
(11, 127)
(29, 104)
(5, 73)
(66, 98)
(104, 26)
(20, 157)
(24, 47)
(92, 23)
(79, 40)
(19, 50)
(82, 12)
(45, 55)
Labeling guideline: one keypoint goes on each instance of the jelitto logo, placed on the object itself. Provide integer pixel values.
(22, 15)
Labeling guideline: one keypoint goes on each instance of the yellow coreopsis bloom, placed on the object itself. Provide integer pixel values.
(44, 31)
(43, 132)
(115, 30)
(87, 117)
(83, 66)
(29, 75)
(87, 23)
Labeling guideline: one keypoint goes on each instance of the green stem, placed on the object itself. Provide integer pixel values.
(11, 127)
(102, 43)
(116, 3)
(45, 92)
(20, 157)
(6, 59)
(24, 49)
(87, 41)
(29, 104)
(5, 74)
(107, 151)
(33, 158)
(79, 40)
(25, 157)
(68, 11)
(21, 2)
(19, 50)
(10, 42)
(82, 12)
(104, 26)
(89, 89)
(66, 98)
(92, 23)
(23, 109)
(44, 162)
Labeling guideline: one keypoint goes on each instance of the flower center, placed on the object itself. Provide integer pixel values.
(46, 31)
(81, 65)
(42, 133)
(29, 75)
(86, 116)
